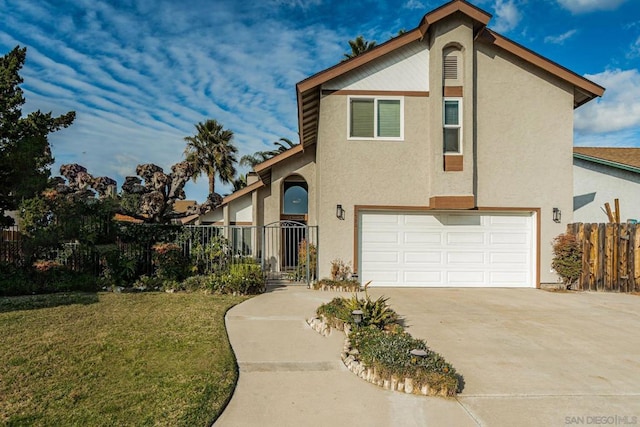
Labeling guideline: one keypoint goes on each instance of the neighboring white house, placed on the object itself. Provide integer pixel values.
(601, 175)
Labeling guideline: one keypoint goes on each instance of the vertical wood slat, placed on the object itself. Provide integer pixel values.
(610, 258)
(636, 257)
(593, 257)
(583, 283)
(623, 253)
(601, 258)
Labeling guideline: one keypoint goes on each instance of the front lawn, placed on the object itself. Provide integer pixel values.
(115, 359)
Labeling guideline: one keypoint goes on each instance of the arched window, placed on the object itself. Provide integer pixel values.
(295, 200)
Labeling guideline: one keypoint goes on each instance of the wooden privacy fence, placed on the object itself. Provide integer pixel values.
(610, 256)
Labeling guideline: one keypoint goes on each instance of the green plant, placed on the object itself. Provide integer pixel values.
(170, 262)
(567, 258)
(307, 256)
(374, 312)
(118, 268)
(389, 352)
(243, 279)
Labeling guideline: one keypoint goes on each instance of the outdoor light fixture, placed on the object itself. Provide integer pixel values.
(357, 316)
(418, 352)
(557, 215)
(339, 212)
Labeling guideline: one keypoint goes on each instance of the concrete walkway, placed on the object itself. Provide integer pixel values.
(529, 358)
(292, 376)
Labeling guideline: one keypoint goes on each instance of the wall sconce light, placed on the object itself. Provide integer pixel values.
(557, 215)
(339, 212)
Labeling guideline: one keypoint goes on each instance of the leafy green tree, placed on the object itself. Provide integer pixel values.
(358, 47)
(25, 153)
(211, 152)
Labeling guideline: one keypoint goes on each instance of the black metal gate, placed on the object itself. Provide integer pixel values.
(290, 251)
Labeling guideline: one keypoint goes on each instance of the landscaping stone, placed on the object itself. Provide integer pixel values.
(408, 385)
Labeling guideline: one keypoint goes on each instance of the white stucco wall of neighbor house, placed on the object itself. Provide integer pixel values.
(596, 184)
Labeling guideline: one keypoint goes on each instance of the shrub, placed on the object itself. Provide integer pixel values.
(245, 278)
(304, 249)
(15, 280)
(118, 268)
(375, 313)
(389, 352)
(567, 258)
(170, 262)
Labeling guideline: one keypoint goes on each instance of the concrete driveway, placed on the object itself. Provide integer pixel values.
(531, 357)
(528, 357)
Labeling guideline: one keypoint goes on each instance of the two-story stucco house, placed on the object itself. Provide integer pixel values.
(436, 159)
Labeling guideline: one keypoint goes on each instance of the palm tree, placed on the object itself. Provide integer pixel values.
(258, 157)
(239, 183)
(253, 159)
(283, 145)
(358, 47)
(211, 152)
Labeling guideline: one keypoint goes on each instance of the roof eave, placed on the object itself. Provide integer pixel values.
(606, 162)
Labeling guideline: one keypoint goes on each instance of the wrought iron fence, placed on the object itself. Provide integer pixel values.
(285, 250)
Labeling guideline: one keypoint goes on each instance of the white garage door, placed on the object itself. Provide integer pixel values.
(447, 249)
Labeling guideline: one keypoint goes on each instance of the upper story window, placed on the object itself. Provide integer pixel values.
(452, 124)
(376, 118)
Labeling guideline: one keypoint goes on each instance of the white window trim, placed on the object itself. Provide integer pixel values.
(458, 126)
(375, 118)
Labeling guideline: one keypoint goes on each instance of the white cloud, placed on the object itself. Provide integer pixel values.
(584, 6)
(414, 4)
(507, 15)
(560, 39)
(634, 49)
(619, 108)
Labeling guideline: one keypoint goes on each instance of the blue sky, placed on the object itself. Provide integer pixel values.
(141, 73)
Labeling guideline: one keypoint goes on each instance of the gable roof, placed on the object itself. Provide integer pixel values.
(308, 90)
(621, 158)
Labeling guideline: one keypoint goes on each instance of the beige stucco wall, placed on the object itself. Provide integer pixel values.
(270, 197)
(524, 142)
(373, 172)
(458, 32)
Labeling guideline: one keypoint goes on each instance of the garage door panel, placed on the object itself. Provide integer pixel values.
(465, 238)
(382, 237)
(417, 237)
(465, 258)
(423, 258)
(508, 238)
(510, 258)
(447, 249)
(374, 256)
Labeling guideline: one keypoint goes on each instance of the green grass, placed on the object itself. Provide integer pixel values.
(115, 359)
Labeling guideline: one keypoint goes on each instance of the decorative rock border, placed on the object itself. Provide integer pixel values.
(349, 357)
(336, 288)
